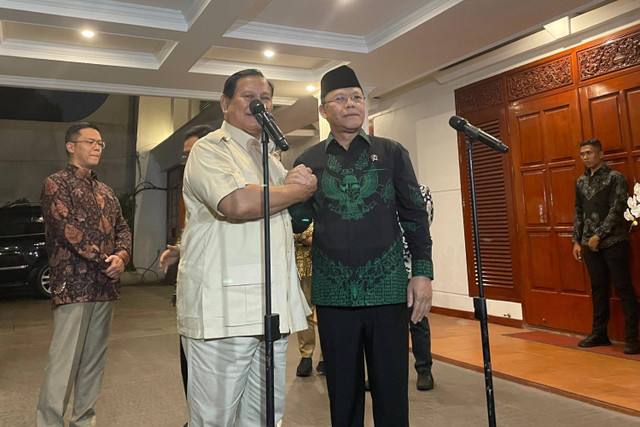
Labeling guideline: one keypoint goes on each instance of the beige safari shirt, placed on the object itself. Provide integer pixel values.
(221, 271)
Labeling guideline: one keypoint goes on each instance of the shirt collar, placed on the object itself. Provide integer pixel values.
(361, 134)
(601, 170)
(242, 138)
(81, 173)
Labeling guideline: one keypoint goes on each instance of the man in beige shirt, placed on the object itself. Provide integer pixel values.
(221, 272)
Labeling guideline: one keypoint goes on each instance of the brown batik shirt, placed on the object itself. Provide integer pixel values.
(83, 225)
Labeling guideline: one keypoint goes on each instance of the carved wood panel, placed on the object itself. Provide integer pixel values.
(609, 56)
(542, 78)
(479, 97)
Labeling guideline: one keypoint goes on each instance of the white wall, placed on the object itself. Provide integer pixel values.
(157, 119)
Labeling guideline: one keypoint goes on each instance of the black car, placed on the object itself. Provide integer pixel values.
(23, 257)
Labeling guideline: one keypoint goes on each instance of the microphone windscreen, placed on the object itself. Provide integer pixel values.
(256, 106)
(457, 123)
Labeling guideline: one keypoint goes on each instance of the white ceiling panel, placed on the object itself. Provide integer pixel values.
(187, 48)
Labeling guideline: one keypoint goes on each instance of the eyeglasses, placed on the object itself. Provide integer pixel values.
(342, 100)
(98, 142)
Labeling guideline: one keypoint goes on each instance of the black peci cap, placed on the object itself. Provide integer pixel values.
(338, 78)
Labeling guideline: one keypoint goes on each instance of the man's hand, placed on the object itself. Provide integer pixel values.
(300, 175)
(577, 251)
(311, 187)
(245, 203)
(419, 296)
(169, 257)
(594, 242)
(116, 267)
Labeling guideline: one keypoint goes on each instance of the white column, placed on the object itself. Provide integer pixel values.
(157, 119)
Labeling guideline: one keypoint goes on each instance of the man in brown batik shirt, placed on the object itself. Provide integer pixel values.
(89, 244)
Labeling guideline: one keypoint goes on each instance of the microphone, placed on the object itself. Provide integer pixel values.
(475, 134)
(265, 119)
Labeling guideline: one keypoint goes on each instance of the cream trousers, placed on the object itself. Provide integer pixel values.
(227, 381)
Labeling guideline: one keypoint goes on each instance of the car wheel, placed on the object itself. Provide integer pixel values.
(42, 281)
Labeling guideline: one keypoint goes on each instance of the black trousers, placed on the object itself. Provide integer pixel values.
(612, 265)
(421, 344)
(379, 334)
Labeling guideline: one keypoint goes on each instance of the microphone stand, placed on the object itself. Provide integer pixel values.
(479, 302)
(271, 321)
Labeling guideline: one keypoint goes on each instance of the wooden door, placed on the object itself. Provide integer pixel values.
(175, 215)
(590, 91)
(545, 134)
(611, 113)
(175, 204)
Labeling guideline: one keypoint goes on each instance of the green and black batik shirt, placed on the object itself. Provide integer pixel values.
(357, 249)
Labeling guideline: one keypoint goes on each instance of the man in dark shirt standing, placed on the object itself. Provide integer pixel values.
(599, 227)
(359, 281)
(89, 244)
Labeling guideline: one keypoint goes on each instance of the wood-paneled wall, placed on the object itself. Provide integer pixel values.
(526, 198)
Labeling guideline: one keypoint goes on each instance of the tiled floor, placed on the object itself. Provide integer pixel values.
(605, 380)
(142, 384)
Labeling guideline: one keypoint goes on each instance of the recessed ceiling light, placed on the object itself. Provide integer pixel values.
(311, 88)
(269, 53)
(88, 33)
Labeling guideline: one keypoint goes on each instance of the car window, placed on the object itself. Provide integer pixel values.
(21, 221)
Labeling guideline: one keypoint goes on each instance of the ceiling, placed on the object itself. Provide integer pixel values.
(187, 48)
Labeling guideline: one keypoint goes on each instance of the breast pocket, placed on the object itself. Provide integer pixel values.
(243, 295)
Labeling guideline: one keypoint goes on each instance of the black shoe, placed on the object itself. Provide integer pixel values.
(425, 381)
(366, 386)
(320, 368)
(304, 368)
(594, 341)
(632, 347)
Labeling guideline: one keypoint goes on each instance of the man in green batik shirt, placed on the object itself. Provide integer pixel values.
(359, 281)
